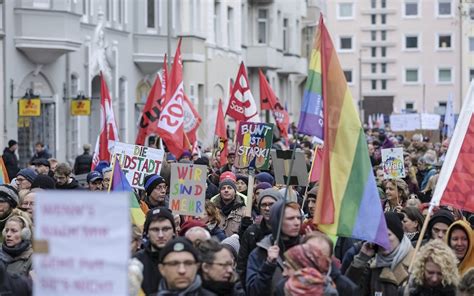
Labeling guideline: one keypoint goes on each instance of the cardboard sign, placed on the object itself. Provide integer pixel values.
(80, 107)
(137, 162)
(188, 188)
(29, 107)
(82, 244)
(253, 142)
(430, 121)
(404, 122)
(281, 160)
(393, 163)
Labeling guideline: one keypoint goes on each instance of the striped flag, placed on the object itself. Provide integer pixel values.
(348, 202)
(3, 173)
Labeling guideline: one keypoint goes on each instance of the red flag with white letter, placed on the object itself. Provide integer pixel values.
(242, 105)
(171, 122)
(151, 112)
(108, 128)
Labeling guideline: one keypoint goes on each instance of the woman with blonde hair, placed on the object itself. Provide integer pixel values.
(213, 219)
(16, 252)
(434, 272)
(396, 193)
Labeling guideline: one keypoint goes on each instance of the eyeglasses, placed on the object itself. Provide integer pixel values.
(20, 179)
(158, 230)
(176, 264)
(224, 264)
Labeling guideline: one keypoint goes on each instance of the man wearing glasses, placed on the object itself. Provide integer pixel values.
(25, 178)
(156, 188)
(158, 230)
(179, 265)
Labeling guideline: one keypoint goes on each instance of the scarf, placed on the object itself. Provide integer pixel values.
(227, 208)
(193, 289)
(396, 256)
(411, 235)
(17, 250)
(218, 287)
(307, 281)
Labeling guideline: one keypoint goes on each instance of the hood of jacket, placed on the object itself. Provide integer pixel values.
(468, 260)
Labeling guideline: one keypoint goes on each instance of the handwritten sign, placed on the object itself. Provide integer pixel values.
(29, 107)
(430, 121)
(137, 162)
(393, 163)
(188, 189)
(404, 122)
(82, 244)
(254, 141)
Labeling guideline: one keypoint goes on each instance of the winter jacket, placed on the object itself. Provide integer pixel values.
(263, 277)
(82, 165)
(231, 223)
(21, 264)
(42, 154)
(344, 286)
(195, 289)
(74, 184)
(11, 163)
(412, 289)
(151, 273)
(468, 261)
(232, 288)
(217, 233)
(13, 284)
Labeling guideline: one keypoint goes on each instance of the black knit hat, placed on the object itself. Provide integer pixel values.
(394, 223)
(9, 194)
(441, 216)
(156, 213)
(242, 177)
(44, 182)
(151, 181)
(227, 182)
(179, 244)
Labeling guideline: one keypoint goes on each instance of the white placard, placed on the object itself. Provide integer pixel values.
(393, 163)
(404, 122)
(85, 239)
(138, 161)
(430, 121)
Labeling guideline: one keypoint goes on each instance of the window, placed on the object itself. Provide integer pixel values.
(120, 11)
(445, 75)
(373, 18)
(409, 106)
(74, 85)
(383, 3)
(373, 4)
(383, 67)
(345, 43)
(411, 42)
(410, 8)
(471, 44)
(373, 52)
(108, 8)
(384, 51)
(285, 35)
(471, 11)
(42, 4)
(411, 76)
(444, 41)
(373, 35)
(217, 22)
(348, 74)
(373, 67)
(150, 9)
(383, 35)
(384, 84)
(471, 74)
(262, 26)
(373, 84)
(230, 26)
(444, 7)
(122, 107)
(345, 11)
(383, 19)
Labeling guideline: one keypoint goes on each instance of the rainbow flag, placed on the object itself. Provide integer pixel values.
(120, 183)
(3, 173)
(348, 203)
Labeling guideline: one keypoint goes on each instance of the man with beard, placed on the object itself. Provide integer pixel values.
(158, 230)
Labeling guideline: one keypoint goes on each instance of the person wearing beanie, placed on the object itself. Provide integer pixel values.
(242, 181)
(231, 206)
(158, 230)
(264, 177)
(44, 182)
(156, 188)
(227, 175)
(8, 201)
(379, 270)
(265, 263)
(256, 193)
(10, 159)
(42, 166)
(439, 224)
(217, 268)
(25, 178)
(233, 243)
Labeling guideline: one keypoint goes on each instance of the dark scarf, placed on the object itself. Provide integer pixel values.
(218, 287)
(227, 208)
(16, 250)
(193, 289)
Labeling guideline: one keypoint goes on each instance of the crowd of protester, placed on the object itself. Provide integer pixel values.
(225, 252)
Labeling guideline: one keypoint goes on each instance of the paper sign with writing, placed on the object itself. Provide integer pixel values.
(281, 160)
(253, 142)
(137, 162)
(430, 121)
(188, 189)
(393, 163)
(84, 244)
(404, 122)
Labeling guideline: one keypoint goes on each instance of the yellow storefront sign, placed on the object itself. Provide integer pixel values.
(80, 107)
(29, 107)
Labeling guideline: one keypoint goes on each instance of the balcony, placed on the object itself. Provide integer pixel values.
(45, 35)
(263, 56)
(149, 51)
(292, 64)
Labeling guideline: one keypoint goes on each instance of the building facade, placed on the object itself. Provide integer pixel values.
(403, 56)
(56, 48)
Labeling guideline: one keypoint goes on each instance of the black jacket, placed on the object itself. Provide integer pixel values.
(82, 165)
(344, 286)
(43, 154)
(151, 273)
(14, 285)
(69, 186)
(11, 163)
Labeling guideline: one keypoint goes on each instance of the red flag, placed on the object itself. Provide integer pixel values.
(315, 172)
(242, 106)
(108, 127)
(151, 112)
(171, 122)
(267, 95)
(221, 132)
(192, 120)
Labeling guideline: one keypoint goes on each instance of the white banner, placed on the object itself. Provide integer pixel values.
(82, 244)
(404, 122)
(430, 121)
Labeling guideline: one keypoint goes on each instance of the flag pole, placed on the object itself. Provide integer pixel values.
(112, 176)
(420, 238)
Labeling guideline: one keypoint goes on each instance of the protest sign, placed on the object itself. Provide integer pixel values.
(393, 163)
(137, 162)
(281, 165)
(404, 122)
(188, 189)
(253, 144)
(82, 244)
(430, 121)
